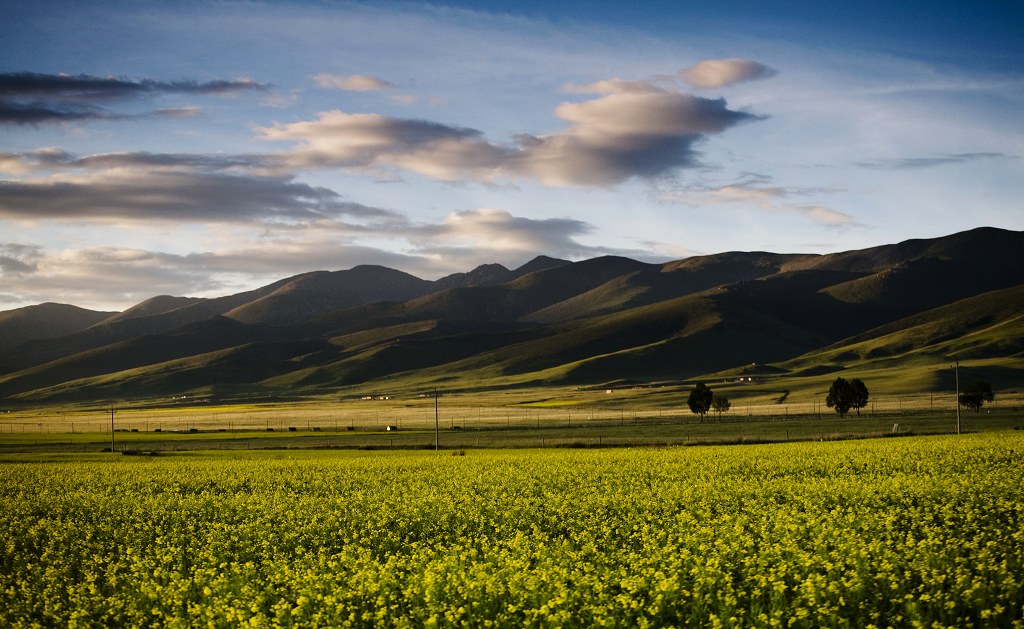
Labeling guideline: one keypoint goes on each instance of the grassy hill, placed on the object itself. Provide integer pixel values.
(895, 311)
(45, 321)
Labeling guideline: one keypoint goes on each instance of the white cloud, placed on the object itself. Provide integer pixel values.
(824, 216)
(116, 277)
(772, 199)
(373, 142)
(500, 231)
(634, 130)
(610, 86)
(352, 82)
(714, 73)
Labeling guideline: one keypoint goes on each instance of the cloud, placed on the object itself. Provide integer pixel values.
(16, 259)
(178, 112)
(53, 159)
(714, 73)
(352, 82)
(116, 277)
(907, 163)
(372, 142)
(774, 199)
(106, 278)
(610, 86)
(35, 113)
(280, 100)
(83, 87)
(124, 194)
(824, 216)
(41, 113)
(632, 131)
(499, 230)
(28, 98)
(28, 161)
(626, 135)
(406, 99)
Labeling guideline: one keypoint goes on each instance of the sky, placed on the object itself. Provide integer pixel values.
(204, 148)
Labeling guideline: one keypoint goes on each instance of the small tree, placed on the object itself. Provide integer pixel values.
(975, 395)
(840, 396)
(700, 400)
(721, 404)
(860, 394)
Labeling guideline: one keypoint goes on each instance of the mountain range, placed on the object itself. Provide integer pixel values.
(550, 322)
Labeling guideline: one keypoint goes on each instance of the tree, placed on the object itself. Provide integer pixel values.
(840, 396)
(860, 394)
(975, 395)
(721, 404)
(700, 399)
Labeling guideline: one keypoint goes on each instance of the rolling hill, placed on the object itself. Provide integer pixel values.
(548, 323)
(45, 321)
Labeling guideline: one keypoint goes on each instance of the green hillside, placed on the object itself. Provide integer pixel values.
(901, 313)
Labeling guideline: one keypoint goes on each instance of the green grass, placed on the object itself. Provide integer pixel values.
(579, 422)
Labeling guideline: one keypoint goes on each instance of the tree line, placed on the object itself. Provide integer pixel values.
(842, 396)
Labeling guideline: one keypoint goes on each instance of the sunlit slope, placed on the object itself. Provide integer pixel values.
(986, 331)
(606, 320)
(185, 343)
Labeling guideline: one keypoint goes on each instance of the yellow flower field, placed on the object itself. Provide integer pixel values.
(924, 532)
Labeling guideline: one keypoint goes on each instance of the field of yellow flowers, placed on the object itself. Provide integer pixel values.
(924, 531)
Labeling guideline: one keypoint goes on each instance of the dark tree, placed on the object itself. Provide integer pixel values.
(840, 396)
(721, 404)
(700, 400)
(860, 394)
(975, 395)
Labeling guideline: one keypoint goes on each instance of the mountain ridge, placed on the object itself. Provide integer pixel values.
(549, 321)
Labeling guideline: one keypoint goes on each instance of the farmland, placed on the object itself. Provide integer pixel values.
(922, 531)
(772, 411)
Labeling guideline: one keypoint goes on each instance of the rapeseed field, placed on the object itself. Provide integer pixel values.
(907, 532)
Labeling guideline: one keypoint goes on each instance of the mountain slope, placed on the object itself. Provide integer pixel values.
(980, 327)
(153, 306)
(552, 322)
(45, 321)
(310, 295)
(201, 337)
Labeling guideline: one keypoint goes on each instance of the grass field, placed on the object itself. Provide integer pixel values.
(654, 415)
(917, 531)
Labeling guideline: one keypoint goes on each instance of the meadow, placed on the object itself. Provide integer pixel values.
(916, 531)
(531, 418)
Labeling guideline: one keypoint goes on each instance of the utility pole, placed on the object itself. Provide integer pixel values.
(956, 372)
(437, 424)
(111, 429)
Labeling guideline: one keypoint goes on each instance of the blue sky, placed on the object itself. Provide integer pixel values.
(202, 148)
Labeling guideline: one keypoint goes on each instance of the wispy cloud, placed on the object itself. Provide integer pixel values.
(129, 195)
(500, 231)
(714, 73)
(611, 86)
(904, 163)
(352, 82)
(83, 87)
(55, 159)
(28, 98)
(753, 193)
